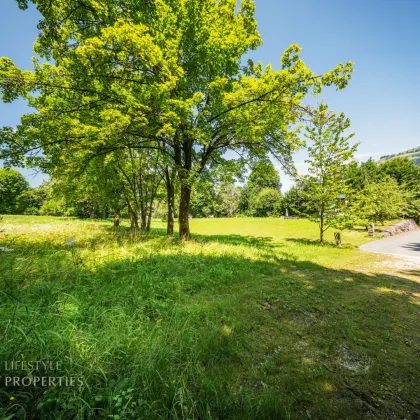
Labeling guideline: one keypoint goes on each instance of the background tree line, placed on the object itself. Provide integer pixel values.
(376, 192)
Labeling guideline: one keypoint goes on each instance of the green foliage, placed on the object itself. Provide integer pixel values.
(215, 200)
(383, 201)
(295, 199)
(263, 175)
(359, 176)
(227, 200)
(13, 189)
(368, 177)
(266, 203)
(405, 172)
(261, 194)
(203, 199)
(55, 207)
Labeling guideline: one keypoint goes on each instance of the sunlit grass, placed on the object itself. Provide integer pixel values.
(251, 319)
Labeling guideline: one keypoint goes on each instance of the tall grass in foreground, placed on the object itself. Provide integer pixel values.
(252, 323)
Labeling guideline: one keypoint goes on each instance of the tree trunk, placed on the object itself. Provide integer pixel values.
(321, 228)
(184, 212)
(134, 219)
(92, 212)
(170, 192)
(143, 217)
(183, 159)
(149, 220)
(116, 218)
(171, 211)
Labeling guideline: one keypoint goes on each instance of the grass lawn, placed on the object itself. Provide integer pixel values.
(250, 320)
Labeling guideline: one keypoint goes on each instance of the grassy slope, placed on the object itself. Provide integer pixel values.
(413, 154)
(251, 319)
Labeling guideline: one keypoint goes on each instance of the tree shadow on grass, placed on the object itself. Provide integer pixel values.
(194, 335)
(315, 242)
(232, 239)
(252, 241)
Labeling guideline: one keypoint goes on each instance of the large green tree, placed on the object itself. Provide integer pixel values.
(268, 202)
(164, 75)
(13, 187)
(382, 201)
(263, 176)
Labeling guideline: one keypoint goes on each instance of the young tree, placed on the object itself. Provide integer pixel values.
(326, 191)
(215, 193)
(141, 176)
(155, 75)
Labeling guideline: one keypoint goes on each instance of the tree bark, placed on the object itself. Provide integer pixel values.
(170, 192)
(143, 217)
(183, 159)
(149, 219)
(184, 213)
(321, 228)
(134, 219)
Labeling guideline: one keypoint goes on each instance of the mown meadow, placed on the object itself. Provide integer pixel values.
(251, 319)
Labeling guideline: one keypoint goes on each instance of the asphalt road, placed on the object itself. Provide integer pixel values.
(406, 245)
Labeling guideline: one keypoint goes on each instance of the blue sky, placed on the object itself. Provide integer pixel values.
(382, 38)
